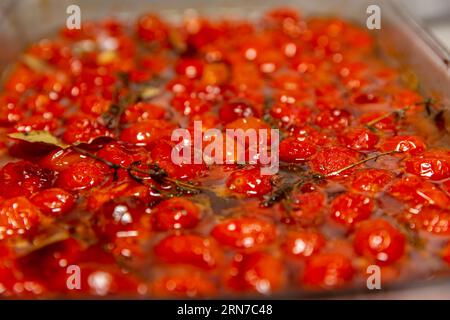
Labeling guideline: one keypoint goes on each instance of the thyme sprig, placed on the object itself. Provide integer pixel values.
(134, 170)
(154, 172)
(284, 190)
(400, 113)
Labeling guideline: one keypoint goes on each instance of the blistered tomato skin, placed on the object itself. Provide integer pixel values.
(244, 233)
(350, 208)
(360, 139)
(84, 129)
(307, 209)
(432, 220)
(333, 119)
(434, 166)
(107, 281)
(61, 159)
(303, 244)
(18, 216)
(142, 111)
(53, 202)
(151, 28)
(231, 111)
(102, 165)
(331, 159)
(296, 150)
(83, 175)
(379, 241)
(175, 214)
(371, 180)
(189, 250)
(257, 272)
(412, 145)
(24, 178)
(417, 193)
(145, 132)
(327, 271)
(118, 218)
(184, 286)
(249, 182)
(116, 154)
(190, 68)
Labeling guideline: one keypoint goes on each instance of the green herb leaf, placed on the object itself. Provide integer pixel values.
(39, 137)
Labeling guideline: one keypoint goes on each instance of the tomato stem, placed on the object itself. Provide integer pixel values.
(158, 175)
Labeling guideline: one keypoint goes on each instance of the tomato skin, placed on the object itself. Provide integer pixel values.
(349, 208)
(296, 150)
(60, 159)
(371, 180)
(108, 280)
(231, 111)
(151, 28)
(182, 285)
(307, 209)
(333, 119)
(327, 271)
(23, 178)
(412, 145)
(249, 182)
(161, 154)
(430, 219)
(51, 262)
(146, 132)
(360, 139)
(179, 85)
(190, 105)
(257, 272)
(117, 217)
(84, 129)
(331, 159)
(17, 286)
(95, 105)
(190, 68)
(116, 154)
(83, 175)
(416, 192)
(248, 123)
(378, 240)
(244, 233)
(303, 244)
(20, 79)
(434, 166)
(36, 123)
(10, 110)
(142, 111)
(289, 114)
(366, 98)
(53, 202)
(189, 249)
(175, 214)
(383, 123)
(18, 216)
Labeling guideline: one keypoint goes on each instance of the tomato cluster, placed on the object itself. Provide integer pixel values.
(360, 182)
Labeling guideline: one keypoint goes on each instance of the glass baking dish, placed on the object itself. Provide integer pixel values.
(400, 37)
